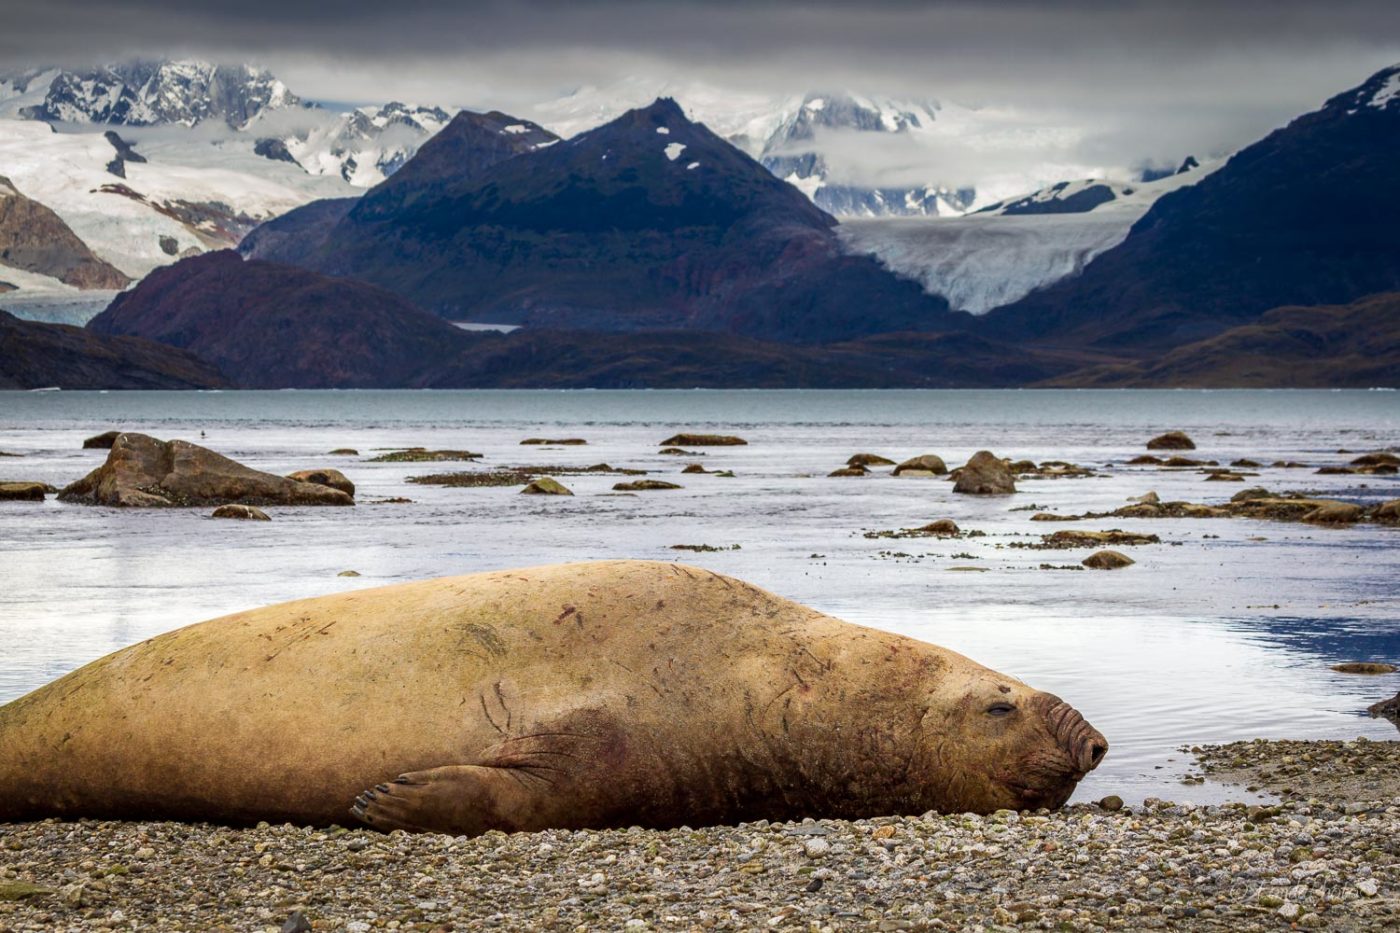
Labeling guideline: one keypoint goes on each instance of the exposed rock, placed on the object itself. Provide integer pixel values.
(1390, 709)
(423, 455)
(1246, 462)
(985, 475)
(1147, 498)
(1253, 492)
(703, 440)
(348, 573)
(677, 452)
(561, 442)
(850, 471)
(1364, 667)
(1145, 460)
(327, 477)
(244, 512)
(1077, 538)
(22, 492)
(544, 486)
(695, 468)
(1224, 476)
(1380, 458)
(1172, 440)
(35, 239)
(642, 485)
(1107, 560)
(923, 465)
(1186, 462)
(101, 441)
(345, 452)
(1334, 513)
(943, 527)
(141, 471)
(1388, 513)
(869, 460)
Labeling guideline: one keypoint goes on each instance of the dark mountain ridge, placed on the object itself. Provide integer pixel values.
(650, 221)
(1304, 216)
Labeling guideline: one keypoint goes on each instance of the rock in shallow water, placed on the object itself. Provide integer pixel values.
(1172, 440)
(243, 512)
(985, 474)
(1107, 560)
(142, 472)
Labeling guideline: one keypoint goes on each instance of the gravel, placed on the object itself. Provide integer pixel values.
(1325, 860)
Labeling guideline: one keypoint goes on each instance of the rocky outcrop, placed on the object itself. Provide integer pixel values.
(923, 465)
(22, 492)
(703, 440)
(985, 474)
(1172, 440)
(546, 486)
(37, 355)
(327, 477)
(143, 472)
(35, 239)
(241, 512)
(1107, 560)
(645, 485)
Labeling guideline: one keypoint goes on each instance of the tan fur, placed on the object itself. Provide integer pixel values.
(592, 694)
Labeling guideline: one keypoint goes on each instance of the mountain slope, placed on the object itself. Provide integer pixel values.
(36, 356)
(35, 239)
(1304, 216)
(650, 221)
(1347, 346)
(275, 326)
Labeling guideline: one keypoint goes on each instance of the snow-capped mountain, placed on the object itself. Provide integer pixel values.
(854, 155)
(364, 146)
(144, 93)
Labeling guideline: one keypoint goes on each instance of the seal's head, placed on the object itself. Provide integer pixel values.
(1007, 746)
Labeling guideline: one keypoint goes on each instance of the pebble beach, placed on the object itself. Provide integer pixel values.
(1326, 855)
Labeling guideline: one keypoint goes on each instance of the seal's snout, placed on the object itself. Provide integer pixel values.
(1084, 744)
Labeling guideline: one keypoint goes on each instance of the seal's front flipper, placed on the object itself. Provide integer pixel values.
(464, 800)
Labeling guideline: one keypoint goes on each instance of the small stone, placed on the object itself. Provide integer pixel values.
(816, 848)
(296, 922)
(814, 885)
(1112, 803)
(1368, 887)
(1288, 911)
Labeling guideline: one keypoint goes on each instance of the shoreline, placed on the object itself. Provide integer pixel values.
(1322, 858)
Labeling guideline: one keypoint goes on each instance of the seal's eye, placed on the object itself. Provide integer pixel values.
(1000, 709)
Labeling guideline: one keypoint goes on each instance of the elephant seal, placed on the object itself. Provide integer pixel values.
(583, 695)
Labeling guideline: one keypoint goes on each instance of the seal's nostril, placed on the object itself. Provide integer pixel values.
(1096, 753)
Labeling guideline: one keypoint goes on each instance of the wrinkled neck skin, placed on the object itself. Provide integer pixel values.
(910, 732)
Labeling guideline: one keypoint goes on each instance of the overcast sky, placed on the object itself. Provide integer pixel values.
(1123, 80)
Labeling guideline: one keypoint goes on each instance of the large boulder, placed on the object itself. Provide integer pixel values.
(143, 472)
(923, 465)
(1172, 440)
(332, 478)
(985, 474)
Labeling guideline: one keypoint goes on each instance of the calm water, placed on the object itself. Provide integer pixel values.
(1224, 631)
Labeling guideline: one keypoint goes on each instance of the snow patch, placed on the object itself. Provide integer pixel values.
(674, 150)
(692, 166)
(664, 130)
(1388, 91)
(516, 128)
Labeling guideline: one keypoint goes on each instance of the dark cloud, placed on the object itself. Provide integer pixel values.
(1131, 78)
